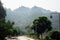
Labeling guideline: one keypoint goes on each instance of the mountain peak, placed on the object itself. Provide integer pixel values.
(21, 8)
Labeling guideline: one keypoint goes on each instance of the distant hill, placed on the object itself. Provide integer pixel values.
(24, 16)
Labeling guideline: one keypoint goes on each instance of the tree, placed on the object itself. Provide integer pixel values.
(9, 27)
(2, 11)
(2, 20)
(40, 25)
(6, 28)
(55, 35)
(16, 31)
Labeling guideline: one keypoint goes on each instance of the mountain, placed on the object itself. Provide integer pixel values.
(24, 16)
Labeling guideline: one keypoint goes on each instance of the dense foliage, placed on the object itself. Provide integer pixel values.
(2, 22)
(55, 35)
(6, 27)
(2, 11)
(40, 25)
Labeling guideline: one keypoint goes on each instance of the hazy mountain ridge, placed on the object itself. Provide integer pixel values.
(24, 16)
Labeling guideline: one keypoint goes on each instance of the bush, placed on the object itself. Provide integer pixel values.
(55, 35)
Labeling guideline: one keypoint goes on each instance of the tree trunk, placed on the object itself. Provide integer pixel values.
(41, 36)
(38, 36)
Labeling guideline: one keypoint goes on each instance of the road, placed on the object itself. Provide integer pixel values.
(21, 38)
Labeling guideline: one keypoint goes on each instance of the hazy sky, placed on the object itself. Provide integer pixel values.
(46, 4)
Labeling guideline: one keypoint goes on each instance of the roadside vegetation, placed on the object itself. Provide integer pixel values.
(36, 30)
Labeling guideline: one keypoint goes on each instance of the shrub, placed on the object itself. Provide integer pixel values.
(55, 35)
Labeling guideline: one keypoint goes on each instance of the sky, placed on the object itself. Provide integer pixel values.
(53, 5)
